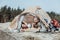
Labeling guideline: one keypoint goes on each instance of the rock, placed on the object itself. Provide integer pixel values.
(36, 36)
(5, 36)
(29, 36)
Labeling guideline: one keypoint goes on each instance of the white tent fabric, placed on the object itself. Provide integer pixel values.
(34, 11)
(20, 22)
(40, 13)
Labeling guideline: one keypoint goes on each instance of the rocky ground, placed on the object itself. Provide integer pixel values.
(5, 35)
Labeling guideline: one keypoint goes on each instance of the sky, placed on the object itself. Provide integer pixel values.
(47, 5)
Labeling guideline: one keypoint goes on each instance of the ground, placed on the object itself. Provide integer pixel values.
(5, 35)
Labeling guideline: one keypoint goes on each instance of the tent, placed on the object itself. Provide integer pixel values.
(35, 11)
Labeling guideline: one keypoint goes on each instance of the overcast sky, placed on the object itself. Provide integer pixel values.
(47, 5)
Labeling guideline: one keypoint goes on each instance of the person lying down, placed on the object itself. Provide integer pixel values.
(35, 26)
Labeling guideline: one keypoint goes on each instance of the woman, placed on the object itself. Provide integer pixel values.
(36, 24)
(23, 26)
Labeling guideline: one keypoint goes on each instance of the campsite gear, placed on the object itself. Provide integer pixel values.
(20, 23)
(55, 25)
(35, 11)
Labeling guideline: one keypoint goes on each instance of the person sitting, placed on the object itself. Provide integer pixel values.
(55, 24)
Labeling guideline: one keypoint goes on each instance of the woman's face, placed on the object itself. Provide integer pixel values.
(23, 25)
(36, 20)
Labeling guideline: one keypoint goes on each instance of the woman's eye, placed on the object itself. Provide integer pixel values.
(22, 23)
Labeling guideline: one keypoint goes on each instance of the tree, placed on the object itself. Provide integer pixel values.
(3, 12)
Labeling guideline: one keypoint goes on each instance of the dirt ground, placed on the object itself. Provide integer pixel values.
(5, 35)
